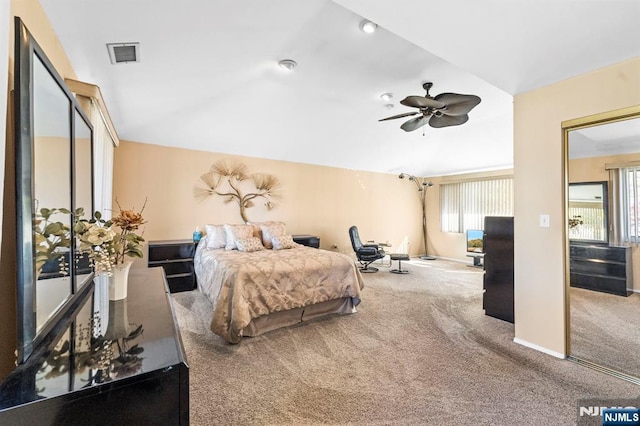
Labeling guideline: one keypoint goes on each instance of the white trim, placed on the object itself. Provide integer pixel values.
(539, 348)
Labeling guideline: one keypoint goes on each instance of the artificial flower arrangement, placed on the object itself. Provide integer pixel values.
(107, 247)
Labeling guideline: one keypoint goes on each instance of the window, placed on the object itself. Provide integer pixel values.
(464, 205)
(629, 200)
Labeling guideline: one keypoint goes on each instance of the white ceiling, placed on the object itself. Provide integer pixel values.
(208, 76)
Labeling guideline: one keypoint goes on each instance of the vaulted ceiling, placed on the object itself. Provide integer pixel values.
(208, 77)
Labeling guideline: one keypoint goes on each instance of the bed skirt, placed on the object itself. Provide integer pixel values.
(266, 323)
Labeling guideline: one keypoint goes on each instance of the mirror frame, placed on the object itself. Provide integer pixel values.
(622, 114)
(26, 49)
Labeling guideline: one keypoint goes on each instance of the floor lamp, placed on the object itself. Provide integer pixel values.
(422, 185)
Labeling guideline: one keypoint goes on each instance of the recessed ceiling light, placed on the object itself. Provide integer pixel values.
(287, 64)
(386, 97)
(368, 26)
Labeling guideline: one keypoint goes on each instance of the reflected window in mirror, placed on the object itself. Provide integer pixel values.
(626, 179)
(587, 212)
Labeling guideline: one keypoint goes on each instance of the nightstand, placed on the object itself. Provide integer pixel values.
(176, 257)
(307, 240)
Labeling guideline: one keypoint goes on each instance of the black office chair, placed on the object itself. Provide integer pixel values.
(365, 253)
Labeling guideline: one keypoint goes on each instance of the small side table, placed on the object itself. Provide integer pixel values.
(307, 240)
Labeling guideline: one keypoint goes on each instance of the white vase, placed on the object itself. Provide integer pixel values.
(119, 280)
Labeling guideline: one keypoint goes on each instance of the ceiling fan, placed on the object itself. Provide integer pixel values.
(446, 109)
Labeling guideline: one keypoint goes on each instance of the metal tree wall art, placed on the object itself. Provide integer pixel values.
(422, 185)
(230, 180)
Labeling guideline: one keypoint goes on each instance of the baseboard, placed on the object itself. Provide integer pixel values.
(539, 348)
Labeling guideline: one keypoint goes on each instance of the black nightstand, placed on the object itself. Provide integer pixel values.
(307, 240)
(176, 257)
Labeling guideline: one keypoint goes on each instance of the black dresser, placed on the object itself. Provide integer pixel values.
(139, 376)
(176, 257)
(601, 268)
(307, 240)
(497, 300)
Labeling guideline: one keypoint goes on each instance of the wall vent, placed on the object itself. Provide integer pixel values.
(120, 53)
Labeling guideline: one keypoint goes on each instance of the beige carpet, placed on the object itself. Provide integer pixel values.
(605, 329)
(419, 351)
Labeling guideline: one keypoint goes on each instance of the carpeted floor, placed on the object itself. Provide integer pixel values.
(419, 351)
(604, 329)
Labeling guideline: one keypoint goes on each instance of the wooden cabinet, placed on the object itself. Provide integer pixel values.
(497, 300)
(601, 268)
(307, 240)
(176, 257)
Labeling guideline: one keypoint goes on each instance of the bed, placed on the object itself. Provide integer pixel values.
(259, 291)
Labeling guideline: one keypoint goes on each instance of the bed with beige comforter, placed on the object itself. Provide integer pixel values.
(259, 291)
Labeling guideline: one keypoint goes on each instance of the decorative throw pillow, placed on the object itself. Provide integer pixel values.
(235, 233)
(270, 230)
(249, 244)
(283, 242)
(216, 236)
(257, 232)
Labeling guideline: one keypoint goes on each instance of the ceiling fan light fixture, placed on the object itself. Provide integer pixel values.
(368, 27)
(288, 64)
(386, 97)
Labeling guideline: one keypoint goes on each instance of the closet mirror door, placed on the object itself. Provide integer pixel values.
(603, 160)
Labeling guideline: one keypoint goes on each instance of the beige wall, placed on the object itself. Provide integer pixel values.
(539, 189)
(317, 200)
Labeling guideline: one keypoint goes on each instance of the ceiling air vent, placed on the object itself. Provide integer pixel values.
(124, 52)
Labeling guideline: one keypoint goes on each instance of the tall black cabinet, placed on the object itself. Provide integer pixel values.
(497, 300)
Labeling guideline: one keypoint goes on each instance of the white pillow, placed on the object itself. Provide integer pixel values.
(216, 236)
(235, 233)
(283, 242)
(249, 245)
(270, 230)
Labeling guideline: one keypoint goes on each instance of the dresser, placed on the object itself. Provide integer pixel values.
(139, 376)
(497, 300)
(603, 268)
(307, 240)
(176, 257)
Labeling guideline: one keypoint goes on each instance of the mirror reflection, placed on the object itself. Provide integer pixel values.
(83, 172)
(603, 201)
(52, 198)
(588, 212)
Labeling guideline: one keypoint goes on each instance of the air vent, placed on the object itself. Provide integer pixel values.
(124, 52)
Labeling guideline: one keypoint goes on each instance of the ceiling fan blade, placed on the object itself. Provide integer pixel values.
(405, 114)
(448, 120)
(457, 104)
(414, 123)
(421, 102)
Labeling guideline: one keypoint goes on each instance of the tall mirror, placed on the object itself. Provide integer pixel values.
(54, 178)
(602, 240)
